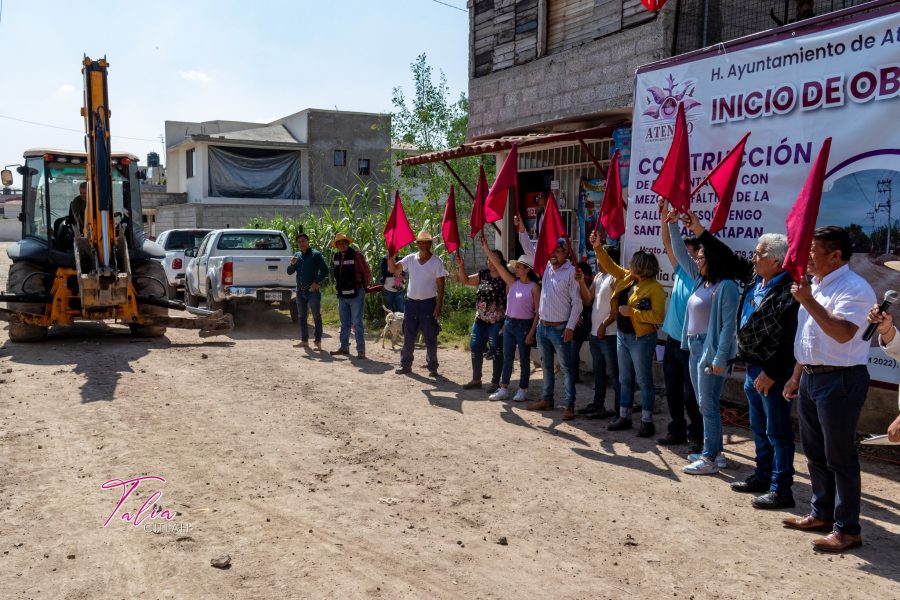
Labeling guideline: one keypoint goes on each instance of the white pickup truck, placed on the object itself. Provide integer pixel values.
(175, 242)
(241, 266)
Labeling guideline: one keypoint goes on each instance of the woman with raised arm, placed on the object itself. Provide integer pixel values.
(490, 310)
(676, 361)
(709, 336)
(523, 295)
(641, 308)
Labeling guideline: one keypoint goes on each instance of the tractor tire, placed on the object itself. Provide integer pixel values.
(17, 284)
(149, 278)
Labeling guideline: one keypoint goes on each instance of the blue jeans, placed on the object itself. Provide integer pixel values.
(606, 368)
(350, 311)
(514, 333)
(486, 335)
(709, 392)
(828, 405)
(394, 300)
(310, 301)
(770, 421)
(635, 362)
(550, 342)
(418, 315)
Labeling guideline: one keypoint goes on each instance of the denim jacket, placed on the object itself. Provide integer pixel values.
(721, 343)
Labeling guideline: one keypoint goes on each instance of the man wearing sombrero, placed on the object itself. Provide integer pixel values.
(424, 299)
(351, 277)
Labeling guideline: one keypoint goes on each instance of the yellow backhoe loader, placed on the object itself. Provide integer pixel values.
(83, 254)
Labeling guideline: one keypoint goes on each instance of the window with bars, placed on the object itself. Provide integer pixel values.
(701, 23)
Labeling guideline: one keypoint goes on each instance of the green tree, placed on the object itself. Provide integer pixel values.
(429, 121)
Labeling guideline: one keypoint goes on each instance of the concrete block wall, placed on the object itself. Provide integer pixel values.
(362, 135)
(217, 216)
(586, 79)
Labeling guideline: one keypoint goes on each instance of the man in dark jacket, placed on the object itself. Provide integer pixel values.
(311, 272)
(351, 278)
(767, 324)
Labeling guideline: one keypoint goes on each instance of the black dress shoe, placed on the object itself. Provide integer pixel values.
(619, 423)
(403, 371)
(646, 429)
(603, 413)
(751, 485)
(590, 408)
(774, 500)
(671, 440)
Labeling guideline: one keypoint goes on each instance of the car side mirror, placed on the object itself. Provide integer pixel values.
(6, 177)
(190, 252)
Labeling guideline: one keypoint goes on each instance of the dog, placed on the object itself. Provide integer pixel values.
(393, 327)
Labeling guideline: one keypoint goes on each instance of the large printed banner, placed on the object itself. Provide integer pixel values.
(791, 94)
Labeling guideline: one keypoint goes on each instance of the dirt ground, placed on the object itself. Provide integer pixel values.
(335, 478)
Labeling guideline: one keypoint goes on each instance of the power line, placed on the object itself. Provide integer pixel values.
(450, 5)
(124, 137)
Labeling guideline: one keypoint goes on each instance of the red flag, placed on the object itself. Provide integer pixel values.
(674, 181)
(449, 228)
(612, 211)
(548, 237)
(397, 232)
(723, 179)
(476, 219)
(801, 221)
(495, 203)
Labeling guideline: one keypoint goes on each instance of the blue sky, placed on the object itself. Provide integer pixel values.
(205, 60)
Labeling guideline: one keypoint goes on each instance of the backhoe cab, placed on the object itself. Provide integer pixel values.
(82, 256)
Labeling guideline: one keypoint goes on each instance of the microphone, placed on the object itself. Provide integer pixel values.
(890, 297)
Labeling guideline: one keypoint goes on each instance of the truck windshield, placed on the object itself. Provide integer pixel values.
(182, 240)
(251, 241)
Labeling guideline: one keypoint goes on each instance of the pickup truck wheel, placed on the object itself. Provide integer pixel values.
(149, 279)
(189, 298)
(295, 316)
(211, 304)
(19, 282)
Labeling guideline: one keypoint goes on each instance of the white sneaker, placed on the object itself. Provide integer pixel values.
(521, 395)
(720, 460)
(701, 467)
(500, 394)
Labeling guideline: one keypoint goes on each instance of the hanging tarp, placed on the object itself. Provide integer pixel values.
(272, 175)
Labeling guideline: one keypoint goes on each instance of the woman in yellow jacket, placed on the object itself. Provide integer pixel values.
(641, 304)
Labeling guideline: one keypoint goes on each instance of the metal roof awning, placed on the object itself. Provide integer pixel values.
(507, 142)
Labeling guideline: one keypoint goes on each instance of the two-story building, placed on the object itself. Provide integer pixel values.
(222, 173)
(556, 78)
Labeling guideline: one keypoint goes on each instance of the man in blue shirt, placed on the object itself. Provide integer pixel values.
(679, 390)
(311, 272)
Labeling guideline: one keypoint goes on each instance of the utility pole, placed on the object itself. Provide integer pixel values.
(883, 186)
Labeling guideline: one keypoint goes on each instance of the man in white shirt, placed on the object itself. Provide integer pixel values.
(424, 299)
(830, 383)
(559, 309)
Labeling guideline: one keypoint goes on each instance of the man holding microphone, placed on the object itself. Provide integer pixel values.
(890, 343)
(830, 382)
